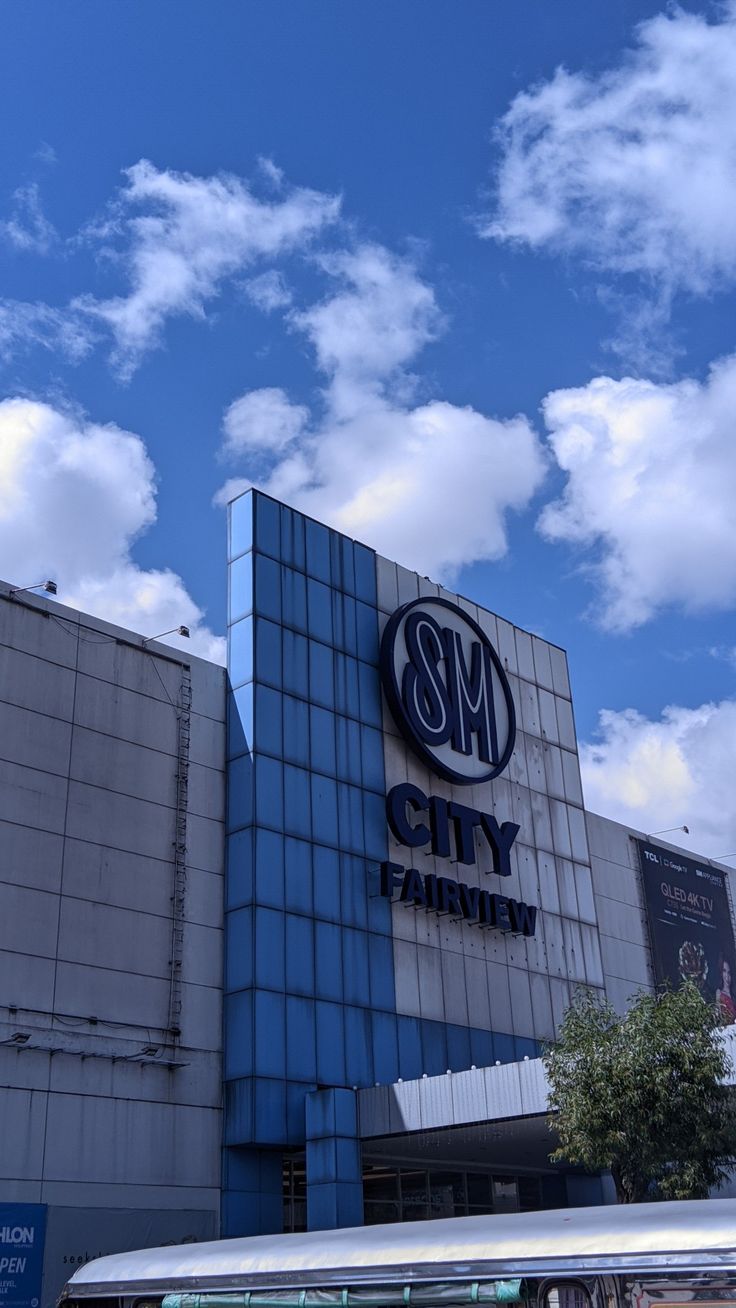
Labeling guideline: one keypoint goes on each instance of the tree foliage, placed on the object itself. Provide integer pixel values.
(642, 1095)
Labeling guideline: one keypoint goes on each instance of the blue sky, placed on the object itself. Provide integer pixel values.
(458, 278)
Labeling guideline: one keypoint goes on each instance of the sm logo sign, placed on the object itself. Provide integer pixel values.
(448, 691)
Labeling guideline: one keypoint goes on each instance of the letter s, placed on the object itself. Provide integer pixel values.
(426, 701)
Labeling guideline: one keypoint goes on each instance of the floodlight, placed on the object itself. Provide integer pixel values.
(48, 586)
(173, 631)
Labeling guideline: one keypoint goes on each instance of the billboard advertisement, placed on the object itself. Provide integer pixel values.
(22, 1230)
(690, 925)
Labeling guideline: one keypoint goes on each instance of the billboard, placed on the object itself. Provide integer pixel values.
(22, 1230)
(690, 925)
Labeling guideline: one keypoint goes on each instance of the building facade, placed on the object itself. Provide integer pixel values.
(329, 982)
(111, 753)
(280, 944)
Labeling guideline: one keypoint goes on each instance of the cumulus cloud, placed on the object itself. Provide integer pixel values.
(430, 484)
(28, 229)
(651, 490)
(75, 496)
(632, 168)
(178, 236)
(658, 774)
(378, 320)
(262, 419)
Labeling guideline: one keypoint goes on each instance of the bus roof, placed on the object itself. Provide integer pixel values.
(697, 1235)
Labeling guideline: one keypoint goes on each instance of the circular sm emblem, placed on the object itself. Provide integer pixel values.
(448, 691)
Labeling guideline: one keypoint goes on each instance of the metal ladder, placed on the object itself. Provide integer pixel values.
(178, 898)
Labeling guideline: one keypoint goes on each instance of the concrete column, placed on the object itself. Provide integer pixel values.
(252, 1192)
(334, 1169)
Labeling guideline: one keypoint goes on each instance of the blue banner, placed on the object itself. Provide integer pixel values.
(22, 1234)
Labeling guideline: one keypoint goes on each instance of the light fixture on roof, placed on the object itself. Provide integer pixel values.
(48, 586)
(173, 631)
(665, 830)
(720, 857)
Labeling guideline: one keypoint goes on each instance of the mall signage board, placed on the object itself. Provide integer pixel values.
(451, 699)
(22, 1232)
(689, 924)
(447, 691)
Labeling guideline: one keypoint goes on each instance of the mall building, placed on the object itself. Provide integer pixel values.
(280, 943)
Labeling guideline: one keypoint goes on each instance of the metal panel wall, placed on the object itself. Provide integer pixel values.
(104, 1105)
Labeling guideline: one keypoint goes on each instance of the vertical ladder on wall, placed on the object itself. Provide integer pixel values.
(178, 898)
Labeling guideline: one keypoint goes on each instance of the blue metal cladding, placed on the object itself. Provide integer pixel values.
(310, 996)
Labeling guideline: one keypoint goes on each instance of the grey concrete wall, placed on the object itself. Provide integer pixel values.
(622, 921)
(100, 1106)
(450, 970)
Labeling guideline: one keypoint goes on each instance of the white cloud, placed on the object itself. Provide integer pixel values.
(46, 154)
(28, 229)
(651, 488)
(271, 171)
(263, 419)
(75, 496)
(428, 484)
(268, 291)
(24, 326)
(724, 653)
(181, 236)
(377, 322)
(230, 490)
(657, 774)
(632, 168)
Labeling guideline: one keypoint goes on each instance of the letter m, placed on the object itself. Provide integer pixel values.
(471, 694)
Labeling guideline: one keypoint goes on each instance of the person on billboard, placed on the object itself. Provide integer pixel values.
(725, 1003)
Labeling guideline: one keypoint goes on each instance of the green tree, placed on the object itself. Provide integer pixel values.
(642, 1095)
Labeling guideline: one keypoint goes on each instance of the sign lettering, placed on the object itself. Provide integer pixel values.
(446, 896)
(405, 806)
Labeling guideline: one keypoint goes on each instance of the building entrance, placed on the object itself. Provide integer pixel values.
(404, 1192)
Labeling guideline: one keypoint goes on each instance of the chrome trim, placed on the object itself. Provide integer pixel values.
(697, 1236)
(357, 1276)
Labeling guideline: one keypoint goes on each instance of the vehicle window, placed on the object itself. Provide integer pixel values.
(678, 1290)
(569, 1295)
